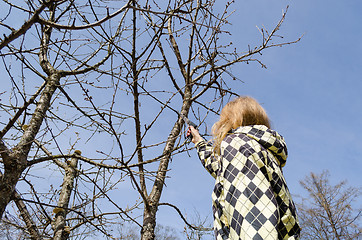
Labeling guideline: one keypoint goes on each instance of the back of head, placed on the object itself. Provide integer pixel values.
(242, 111)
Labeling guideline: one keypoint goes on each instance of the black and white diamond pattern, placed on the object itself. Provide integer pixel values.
(250, 199)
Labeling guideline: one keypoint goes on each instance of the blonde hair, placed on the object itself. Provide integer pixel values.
(242, 111)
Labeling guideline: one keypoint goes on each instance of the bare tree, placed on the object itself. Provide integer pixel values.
(110, 78)
(329, 212)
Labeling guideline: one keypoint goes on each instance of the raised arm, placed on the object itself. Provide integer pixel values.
(205, 151)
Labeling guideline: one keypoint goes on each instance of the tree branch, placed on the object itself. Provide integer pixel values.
(27, 218)
(91, 25)
(25, 27)
(184, 219)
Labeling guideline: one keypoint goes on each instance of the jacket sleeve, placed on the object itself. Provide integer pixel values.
(207, 157)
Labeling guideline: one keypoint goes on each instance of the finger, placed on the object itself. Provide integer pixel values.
(188, 133)
(194, 130)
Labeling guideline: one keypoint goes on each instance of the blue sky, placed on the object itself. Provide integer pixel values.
(311, 91)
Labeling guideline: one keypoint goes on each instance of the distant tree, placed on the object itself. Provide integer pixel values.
(329, 212)
(166, 233)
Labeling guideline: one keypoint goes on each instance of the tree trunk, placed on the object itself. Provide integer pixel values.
(149, 217)
(61, 231)
(15, 160)
(13, 169)
(149, 223)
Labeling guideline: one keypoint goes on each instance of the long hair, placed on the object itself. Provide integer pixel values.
(242, 111)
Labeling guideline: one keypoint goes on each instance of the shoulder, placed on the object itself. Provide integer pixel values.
(233, 137)
(236, 145)
(236, 140)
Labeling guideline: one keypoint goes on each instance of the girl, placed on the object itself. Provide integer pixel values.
(250, 198)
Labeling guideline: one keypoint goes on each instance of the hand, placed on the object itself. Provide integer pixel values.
(196, 137)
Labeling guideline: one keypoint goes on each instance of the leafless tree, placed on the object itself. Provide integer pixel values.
(109, 78)
(329, 212)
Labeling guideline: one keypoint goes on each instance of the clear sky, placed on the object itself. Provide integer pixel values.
(311, 91)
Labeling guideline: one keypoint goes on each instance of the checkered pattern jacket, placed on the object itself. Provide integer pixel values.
(250, 198)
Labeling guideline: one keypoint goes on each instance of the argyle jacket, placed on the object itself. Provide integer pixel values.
(250, 199)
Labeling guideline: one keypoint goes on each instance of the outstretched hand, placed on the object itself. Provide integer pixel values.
(196, 137)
